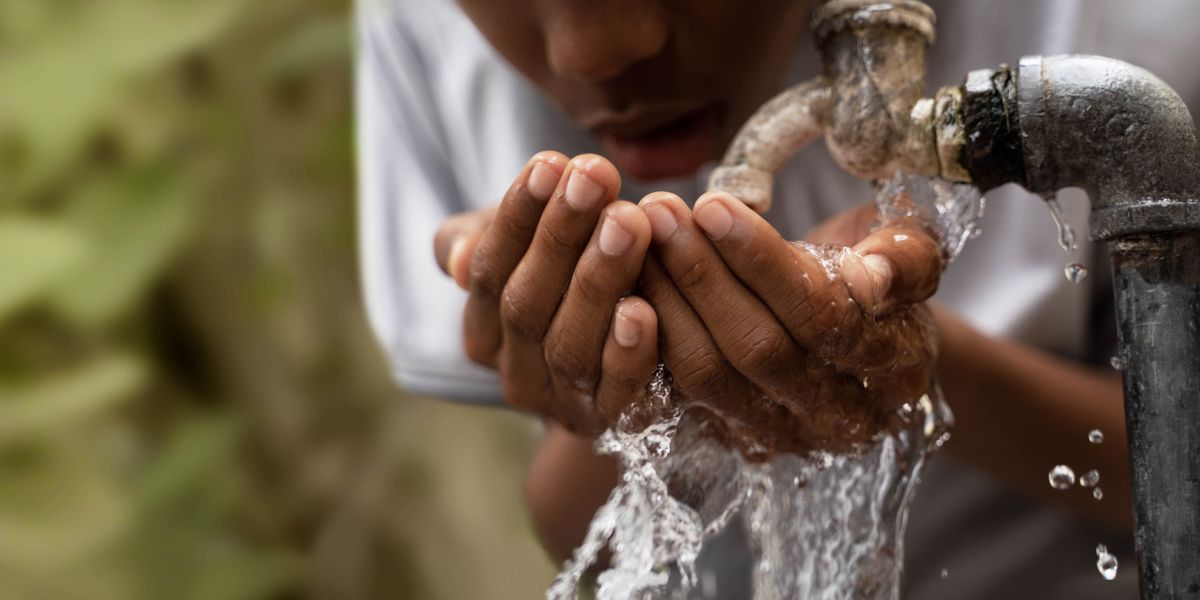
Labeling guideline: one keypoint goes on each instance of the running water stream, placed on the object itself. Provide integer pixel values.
(820, 526)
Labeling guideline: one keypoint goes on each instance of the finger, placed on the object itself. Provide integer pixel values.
(533, 292)
(536, 287)
(630, 357)
(897, 265)
(698, 369)
(696, 364)
(815, 308)
(606, 272)
(456, 241)
(499, 250)
(744, 329)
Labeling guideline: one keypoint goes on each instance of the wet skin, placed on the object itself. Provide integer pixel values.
(664, 85)
(575, 296)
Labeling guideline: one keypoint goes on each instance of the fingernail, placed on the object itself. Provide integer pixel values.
(542, 181)
(582, 192)
(662, 222)
(614, 239)
(626, 330)
(459, 274)
(714, 219)
(881, 269)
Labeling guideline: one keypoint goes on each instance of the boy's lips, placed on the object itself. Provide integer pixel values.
(662, 146)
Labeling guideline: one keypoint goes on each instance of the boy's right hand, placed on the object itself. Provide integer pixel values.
(549, 274)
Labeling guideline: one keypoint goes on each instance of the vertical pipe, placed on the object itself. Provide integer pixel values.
(1157, 286)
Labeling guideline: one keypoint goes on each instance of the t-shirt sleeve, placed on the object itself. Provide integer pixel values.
(406, 189)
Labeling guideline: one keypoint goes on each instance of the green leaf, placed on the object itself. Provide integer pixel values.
(66, 398)
(135, 224)
(57, 88)
(33, 254)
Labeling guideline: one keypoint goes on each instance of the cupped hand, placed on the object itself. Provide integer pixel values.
(793, 346)
(550, 272)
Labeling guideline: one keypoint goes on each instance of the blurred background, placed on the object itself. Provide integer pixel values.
(191, 404)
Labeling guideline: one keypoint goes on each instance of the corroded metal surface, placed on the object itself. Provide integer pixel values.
(869, 105)
(1128, 140)
(992, 152)
(1116, 131)
(1157, 282)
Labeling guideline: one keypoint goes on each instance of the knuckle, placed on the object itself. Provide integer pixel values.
(592, 286)
(566, 360)
(764, 351)
(700, 372)
(697, 274)
(519, 315)
(485, 277)
(759, 254)
(553, 243)
(823, 309)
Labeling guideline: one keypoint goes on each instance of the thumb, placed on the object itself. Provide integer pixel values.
(456, 240)
(896, 265)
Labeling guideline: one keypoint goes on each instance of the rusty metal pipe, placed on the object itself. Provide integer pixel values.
(869, 104)
(1128, 140)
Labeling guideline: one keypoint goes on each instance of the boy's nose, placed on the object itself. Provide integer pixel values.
(598, 40)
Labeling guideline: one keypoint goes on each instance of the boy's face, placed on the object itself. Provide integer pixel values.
(664, 84)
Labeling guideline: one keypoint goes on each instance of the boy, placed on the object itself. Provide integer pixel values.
(455, 99)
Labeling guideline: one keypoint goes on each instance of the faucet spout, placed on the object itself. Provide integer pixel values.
(868, 104)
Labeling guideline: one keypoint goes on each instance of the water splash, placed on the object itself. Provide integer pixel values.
(1106, 563)
(1062, 477)
(820, 525)
(952, 209)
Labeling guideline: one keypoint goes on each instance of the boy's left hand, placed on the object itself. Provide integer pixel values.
(754, 326)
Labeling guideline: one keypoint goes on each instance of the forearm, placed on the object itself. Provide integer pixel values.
(567, 481)
(1020, 411)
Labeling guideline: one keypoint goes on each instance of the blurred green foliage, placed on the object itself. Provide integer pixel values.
(190, 403)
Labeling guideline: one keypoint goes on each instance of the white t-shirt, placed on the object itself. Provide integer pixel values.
(445, 124)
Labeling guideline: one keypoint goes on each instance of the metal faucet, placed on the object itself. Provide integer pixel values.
(1108, 127)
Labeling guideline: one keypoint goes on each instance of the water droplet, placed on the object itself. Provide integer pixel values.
(1117, 363)
(1089, 479)
(1096, 436)
(866, 382)
(1066, 234)
(1106, 563)
(1098, 493)
(1062, 477)
(945, 573)
(941, 439)
(1075, 272)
